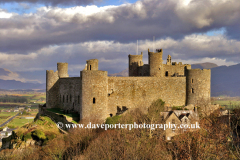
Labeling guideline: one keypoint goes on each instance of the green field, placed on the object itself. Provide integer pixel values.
(18, 122)
(10, 101)
(6, 115)
(229, 102)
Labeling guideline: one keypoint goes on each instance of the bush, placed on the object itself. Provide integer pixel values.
(40, 134)
(51, 136)
(19, 134)
(112, 120)
(27, 136)
(25, 113)
(155, 108)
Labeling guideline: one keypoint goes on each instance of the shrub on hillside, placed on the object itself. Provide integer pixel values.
(155, 108)
(112, 120)
(39, 134)
(27, 136)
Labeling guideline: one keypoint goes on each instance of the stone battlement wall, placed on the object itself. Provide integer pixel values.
(170, 70)
(134, 92)
(54, 116)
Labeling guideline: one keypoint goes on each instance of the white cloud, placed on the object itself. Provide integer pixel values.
(4, 14)
(15, 76)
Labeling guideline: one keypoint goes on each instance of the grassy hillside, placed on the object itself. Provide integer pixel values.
(212, 141)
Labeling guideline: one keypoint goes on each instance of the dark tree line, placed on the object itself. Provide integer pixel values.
(13, 99)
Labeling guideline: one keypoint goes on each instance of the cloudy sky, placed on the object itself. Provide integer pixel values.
(36, 34)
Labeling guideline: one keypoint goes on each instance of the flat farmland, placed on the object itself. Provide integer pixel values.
(6, 115)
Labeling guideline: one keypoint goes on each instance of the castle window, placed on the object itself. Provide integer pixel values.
(70, 98)
(60, 97)
(67, 98)
(159, 68)
(111, 115)
(192, 80)
(118, 109)
(78, 99)
(192, 90)
(124, 108)
(90, 67)
(63, 98)
(94, 100)
(166, 73)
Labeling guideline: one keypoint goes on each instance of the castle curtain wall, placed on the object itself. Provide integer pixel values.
(177, 68)
(69, 90)
(140, 92)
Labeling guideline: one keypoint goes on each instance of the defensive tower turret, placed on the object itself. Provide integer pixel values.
(135, 61)
(198, 86)
(62, 69)
(155, 63)
(92, 64)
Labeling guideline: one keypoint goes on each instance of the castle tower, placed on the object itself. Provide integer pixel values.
(52, 85)
(51, 88)
(62, 69)
(169, 60)
(134, 62)
(198, 86)
(94, 93)
(92, 64)
(155, 63)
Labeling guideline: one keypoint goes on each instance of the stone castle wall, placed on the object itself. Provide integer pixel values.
(69, 93)
(134, 92)
(170, 70)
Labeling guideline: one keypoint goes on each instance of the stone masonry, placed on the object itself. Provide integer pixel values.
(94, 95)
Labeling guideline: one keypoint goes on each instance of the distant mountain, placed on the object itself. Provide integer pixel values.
(12, 84)
(225, 80)
(206, 65)
(123, 73)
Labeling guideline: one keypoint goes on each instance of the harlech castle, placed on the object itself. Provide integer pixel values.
(95, 94)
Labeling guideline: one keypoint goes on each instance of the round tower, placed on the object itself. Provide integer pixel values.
(51, 88)
(62, 70)
(198, 86)
(94, 100)
(134, 62)
(155, 63)
(92, 64)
